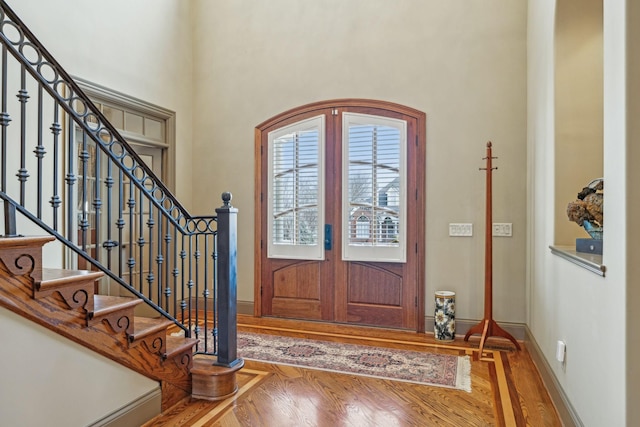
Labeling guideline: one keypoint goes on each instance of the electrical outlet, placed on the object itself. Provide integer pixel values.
(502, 229)
(561, 351)
(459, 229)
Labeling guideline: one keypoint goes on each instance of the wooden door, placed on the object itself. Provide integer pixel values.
(340, 218)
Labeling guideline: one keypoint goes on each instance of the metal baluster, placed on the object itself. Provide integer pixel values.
(97, 200)
(120, 221)
(183, 302)
(4, 119)
(84, 221)
(190, 282)
(175, 270)
(70, 180)
(150, 276)
(141, 242)
(205, 293)
(167, 254)
(56, 130)
(109, 244)
(23, 97)
(196, 284)
(9, 209)
(131, 262)
(214, 302)
(159, 262)
(39, 152)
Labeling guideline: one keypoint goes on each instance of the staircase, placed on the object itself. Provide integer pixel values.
(64, 302)
(67, 173)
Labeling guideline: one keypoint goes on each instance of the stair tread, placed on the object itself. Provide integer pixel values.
(22, 241)
(145, 326)
(54, 277)
(105, 304)
(178, 344)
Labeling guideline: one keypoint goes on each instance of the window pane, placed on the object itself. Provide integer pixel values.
(374, 165)
(295, 188)
(295, 192)
(373, 182)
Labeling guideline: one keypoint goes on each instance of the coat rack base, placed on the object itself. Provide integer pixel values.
(489, 328)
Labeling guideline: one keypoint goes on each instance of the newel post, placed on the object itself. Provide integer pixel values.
(227, 283)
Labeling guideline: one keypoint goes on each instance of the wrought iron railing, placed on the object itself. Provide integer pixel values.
(84, 184)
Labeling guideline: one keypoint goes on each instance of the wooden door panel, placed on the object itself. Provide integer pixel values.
(362, 314)
(297, 281)
(379, 294)
(373, 285)
(296, 289)
(294, 308)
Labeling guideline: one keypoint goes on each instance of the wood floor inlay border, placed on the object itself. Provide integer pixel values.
(227, 404)
(503, 398)
(506, 387)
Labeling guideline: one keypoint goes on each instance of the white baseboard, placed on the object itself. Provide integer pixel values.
(566, 411)
(135, 413)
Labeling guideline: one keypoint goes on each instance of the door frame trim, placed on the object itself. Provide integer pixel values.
(259, 198)
(99, 93)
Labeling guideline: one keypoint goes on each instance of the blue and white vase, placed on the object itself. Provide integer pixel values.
(445, 317)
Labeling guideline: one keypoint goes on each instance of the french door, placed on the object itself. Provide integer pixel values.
(145, 130)
(340, 214)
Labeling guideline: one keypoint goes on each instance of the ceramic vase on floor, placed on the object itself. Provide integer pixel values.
(444, 327)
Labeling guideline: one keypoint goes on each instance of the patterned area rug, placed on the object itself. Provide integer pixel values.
(440, 370)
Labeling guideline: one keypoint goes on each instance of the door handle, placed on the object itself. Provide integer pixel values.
(328, 238)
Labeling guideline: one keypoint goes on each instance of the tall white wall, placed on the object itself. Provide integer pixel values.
(566, 302)
(461, 62)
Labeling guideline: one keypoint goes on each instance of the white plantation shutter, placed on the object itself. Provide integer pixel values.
(373, 188)
(296, 190)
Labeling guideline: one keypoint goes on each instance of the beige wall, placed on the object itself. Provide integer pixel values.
(461, 62)
(140, 48)
(565, 301)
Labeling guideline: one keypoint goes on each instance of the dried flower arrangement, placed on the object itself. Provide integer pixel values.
(587, 210)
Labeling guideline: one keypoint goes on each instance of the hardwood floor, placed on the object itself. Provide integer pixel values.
(506, 388)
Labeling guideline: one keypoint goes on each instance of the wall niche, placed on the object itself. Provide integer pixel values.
(578, 108)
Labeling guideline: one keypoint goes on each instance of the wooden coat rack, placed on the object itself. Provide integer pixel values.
(488, 327)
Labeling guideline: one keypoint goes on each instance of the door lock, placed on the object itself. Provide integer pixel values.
(328, 238)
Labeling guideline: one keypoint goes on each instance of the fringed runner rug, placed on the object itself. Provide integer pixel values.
(441, 370)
